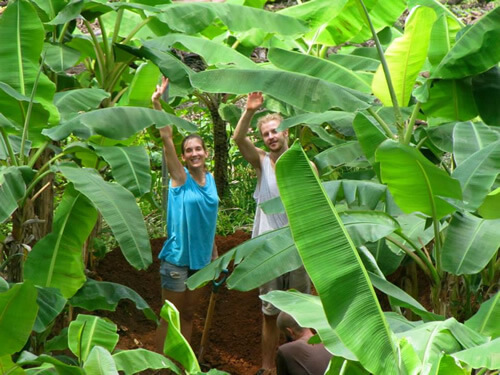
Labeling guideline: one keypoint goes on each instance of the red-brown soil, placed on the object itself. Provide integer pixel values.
(234, 337)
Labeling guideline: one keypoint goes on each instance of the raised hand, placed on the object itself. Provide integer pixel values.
(254, 101)
(160, 89)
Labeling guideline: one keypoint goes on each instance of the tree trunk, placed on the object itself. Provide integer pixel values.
(220, 145)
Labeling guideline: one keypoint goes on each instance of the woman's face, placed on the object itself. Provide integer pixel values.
(193, 154)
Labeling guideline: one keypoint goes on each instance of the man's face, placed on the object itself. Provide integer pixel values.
(274, 140)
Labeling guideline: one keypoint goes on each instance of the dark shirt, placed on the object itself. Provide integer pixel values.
(300, 358)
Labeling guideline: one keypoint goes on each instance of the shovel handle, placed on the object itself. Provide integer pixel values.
(216, 284)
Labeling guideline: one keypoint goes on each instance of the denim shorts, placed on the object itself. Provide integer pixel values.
(174, 277)
(297, 279)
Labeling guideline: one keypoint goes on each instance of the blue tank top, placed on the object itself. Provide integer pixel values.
(191, 221)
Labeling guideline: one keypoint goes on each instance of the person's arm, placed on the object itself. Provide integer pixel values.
(251, 153)
(175, 168)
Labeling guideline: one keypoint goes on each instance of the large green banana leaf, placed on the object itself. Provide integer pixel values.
(19, 58)
(368, 226)
(486, 90)
(439, 8)
(87, 332)
(478, 173)
(338, 120)
(340, 154)
(405, 57)
(387, 259)
(308, 311)
(482, 356)
(103, 295)
(451, 99)
(443, 36)
(334, 266)
(115, 123)
(129, 166)
(470, 137)
(56, 260)
(18, 310)
(49, 365)
(14, 106)
(477, 50)
(59, 57)
(485, 321)
(138, 360)
(142, 86)
(12, 188)
(176, 346)
(416, 184)
(119, 208)
(369, 135)
(305, 92)
(355, 62)
(320, 68)
(51, 303)
(212, 52)
(193, 18)
(72, 102)
(100, 361)
(470, 244)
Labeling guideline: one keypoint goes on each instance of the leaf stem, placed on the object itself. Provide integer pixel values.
(421, 255)
(108, 53)
(136, 29)
(385, 67)
(6, 140)
(411, 123)
(382, 123)
(98, 51)
(411, 254)
(37, 154)
(30, 109)
(118, 23)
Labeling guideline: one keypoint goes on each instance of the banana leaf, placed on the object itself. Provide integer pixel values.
(305, 92)
(482, 356)
(338, 120)
(334, 266)
(490, 209)
(405, 57)
(354, 62)
(138, 360)
(341, 154)
(470, 244)
(320, 68)
(12, 188)
(119, 208)
(56, 260)
(88, 331)
(116, 123)
(20, 57)
(485, 321)
(103, 295)
(50, 303)
(477, 174)
(18, 311)
(100, 361)
(72, 102)
(176, 346)
(193, 18)
(422, 186)
(443, 35)
(129, 166)
(212, 52)
(142, 86)
(477, 50)
(470, 137)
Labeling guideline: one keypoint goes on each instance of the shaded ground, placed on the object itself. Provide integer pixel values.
(234, 339)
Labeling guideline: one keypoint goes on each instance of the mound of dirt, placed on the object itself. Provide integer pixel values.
(234, 337)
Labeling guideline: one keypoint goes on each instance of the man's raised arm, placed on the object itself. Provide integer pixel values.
(251, 153)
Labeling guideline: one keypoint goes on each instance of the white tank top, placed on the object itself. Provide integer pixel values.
(266, 189)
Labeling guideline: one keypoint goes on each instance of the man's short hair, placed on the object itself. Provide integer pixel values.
(285, 320)
(269, 117)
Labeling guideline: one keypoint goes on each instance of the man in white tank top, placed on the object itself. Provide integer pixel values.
(264, 164)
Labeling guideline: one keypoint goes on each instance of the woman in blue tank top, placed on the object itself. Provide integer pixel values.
(191, 220)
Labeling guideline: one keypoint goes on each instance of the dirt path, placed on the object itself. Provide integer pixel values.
(234, 339)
